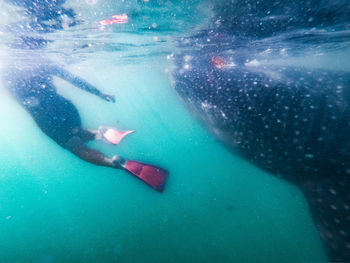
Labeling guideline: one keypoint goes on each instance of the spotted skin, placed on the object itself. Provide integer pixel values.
(329, 205)
(291, 121)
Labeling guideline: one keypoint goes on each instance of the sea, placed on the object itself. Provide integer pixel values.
(216, 206)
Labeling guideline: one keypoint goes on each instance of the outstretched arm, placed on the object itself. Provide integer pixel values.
(80, 83)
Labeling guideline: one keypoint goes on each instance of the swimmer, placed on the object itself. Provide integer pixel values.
(29, 78)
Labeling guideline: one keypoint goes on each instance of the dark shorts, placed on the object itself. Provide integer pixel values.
(56, 116)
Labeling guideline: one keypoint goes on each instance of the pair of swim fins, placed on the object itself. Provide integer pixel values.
(152, 175)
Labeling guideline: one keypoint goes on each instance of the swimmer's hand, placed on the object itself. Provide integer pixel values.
(107, 97)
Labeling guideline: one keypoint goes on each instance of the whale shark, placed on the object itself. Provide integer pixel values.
(289, 119)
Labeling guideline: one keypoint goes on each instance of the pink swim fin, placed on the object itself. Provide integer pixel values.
(113, 136)
(152, 175)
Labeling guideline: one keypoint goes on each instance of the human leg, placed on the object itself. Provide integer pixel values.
(78, 147)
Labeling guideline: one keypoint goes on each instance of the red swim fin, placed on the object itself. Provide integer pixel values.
(113, 136)
(116, 19)
(152, 175)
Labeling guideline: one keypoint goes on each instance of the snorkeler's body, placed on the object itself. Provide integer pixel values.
(29, 79)
(32, 86)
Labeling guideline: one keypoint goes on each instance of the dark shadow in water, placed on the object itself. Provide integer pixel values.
(291, 121)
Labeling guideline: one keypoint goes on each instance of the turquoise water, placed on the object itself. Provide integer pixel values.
(216, 207)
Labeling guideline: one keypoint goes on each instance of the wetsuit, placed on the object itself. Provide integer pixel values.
(33, 88)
